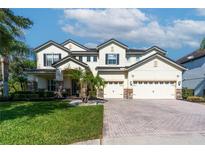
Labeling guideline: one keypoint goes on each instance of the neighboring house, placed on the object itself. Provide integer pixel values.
(129, 73)
(194, 77)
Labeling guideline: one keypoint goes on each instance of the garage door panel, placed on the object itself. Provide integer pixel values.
(113, 90)
(154, 90)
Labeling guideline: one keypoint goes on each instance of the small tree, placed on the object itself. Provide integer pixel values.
(202, 45)
(18, 77)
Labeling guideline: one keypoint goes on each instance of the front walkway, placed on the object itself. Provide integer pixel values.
(153, 122)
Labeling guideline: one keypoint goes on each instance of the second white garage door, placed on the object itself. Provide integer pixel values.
(113, 89)
(154, 90)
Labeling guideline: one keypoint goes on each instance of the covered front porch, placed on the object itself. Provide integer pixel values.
(57, 79)
(48, 82)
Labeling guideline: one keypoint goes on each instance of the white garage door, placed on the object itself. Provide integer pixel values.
(154, 90)
(113, 89)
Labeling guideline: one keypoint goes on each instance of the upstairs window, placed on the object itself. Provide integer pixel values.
(112, 59)
(94, 58)
(88, 58)
(49, 59)
(80, 58)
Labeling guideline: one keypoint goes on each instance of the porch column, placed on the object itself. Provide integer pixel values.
(59, 80)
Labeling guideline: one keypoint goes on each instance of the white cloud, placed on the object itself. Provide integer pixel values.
(132, 25)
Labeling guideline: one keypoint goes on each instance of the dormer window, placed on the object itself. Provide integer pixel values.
(49, 59)
(112, 59)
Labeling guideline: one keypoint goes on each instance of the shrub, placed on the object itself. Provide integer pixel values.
(25, 96)
(187, 92)
(49, 94)
(195, 99)
(92, 94)
(32, 95)
(3, 98)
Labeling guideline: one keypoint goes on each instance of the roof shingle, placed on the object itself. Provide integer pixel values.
(192, 56)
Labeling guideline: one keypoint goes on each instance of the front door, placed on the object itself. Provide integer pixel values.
(75, 88)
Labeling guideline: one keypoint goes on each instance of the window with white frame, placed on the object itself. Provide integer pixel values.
(88, 58)
(112, 59)
(80, 58)
(94, 58)
(49, 59)
(51, 85)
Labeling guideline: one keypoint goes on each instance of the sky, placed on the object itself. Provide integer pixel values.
(178, 31)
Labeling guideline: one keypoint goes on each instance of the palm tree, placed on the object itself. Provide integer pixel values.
(86, 80)
(80, 77)
(11, 32)
(98, 83)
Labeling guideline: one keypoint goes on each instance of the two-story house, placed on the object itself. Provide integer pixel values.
(133, 73)
(194, 77)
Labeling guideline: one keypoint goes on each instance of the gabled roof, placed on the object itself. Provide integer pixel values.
(69, 58)
(168, 60)
(155, 48)
(135, 51)
(49, 43)
(192, 56)
(110, 69)
(74, 42)
(40, 71)
(112, 41)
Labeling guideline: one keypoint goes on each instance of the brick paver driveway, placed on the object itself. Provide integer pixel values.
(123, 118)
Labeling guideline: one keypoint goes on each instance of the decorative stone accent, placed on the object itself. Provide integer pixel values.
(178, 93)
(128, 93)
(100, 93)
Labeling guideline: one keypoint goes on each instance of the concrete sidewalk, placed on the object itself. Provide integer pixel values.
(173, 139)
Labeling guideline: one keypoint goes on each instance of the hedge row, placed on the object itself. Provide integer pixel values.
(29, 95)
(195, 99)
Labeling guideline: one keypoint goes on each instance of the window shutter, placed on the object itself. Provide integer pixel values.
(117, 59)
(44, 59)
(106, 59)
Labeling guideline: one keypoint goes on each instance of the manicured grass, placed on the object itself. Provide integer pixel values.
(52, 122)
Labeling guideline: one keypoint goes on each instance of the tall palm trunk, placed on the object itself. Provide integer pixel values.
(5, 75)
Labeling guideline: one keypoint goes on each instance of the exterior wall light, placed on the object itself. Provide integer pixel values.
(179, 83)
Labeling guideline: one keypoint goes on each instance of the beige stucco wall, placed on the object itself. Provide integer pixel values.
(71, 65)
(162, 72)
(73, 47)
(116, 49)
(91, 64)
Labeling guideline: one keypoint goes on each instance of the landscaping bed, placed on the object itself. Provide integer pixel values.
(52, 122)
(188, 95)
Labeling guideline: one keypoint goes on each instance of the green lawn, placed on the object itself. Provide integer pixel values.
(52, 122)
